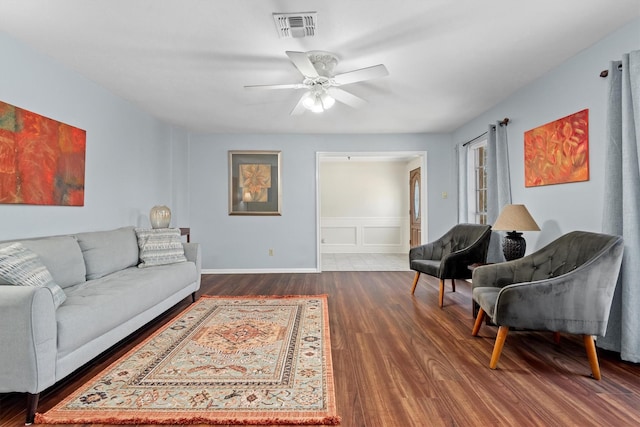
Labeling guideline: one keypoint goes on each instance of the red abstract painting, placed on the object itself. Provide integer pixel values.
(557, 152)
(41, 160)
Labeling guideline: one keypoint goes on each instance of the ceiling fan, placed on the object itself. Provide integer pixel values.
(321, 84)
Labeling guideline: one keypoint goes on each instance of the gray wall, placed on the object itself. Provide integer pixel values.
(235, 243)
(179, 167)
(567, 89)
(128, 165)
(135, 161)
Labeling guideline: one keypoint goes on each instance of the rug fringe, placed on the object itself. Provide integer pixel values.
(263, 296)
(330, 420)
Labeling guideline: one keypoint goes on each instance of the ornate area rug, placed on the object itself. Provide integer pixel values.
(224, 360)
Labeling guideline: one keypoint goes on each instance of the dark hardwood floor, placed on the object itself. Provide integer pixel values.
(402, 361)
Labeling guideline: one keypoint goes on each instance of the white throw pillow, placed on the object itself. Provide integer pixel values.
(159, 246)
(21, 266)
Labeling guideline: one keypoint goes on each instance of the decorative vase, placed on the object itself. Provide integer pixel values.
(160, 217)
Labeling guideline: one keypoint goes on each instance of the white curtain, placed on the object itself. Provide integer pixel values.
(498, 183)
(622, 203)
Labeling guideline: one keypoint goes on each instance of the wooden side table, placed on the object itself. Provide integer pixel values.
(186, 232)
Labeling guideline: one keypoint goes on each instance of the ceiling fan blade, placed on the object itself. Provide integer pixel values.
(361, 75)
(299, 108)
(303, 64)
(346, 98)
(289, 86)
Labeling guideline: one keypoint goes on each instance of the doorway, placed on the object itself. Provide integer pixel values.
(377, 233)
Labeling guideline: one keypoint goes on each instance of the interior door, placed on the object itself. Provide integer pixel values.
(415, 208)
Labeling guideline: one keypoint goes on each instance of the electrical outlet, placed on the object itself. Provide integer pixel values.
(270, 252)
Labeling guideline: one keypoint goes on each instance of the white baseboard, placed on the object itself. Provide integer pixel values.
(260, 270)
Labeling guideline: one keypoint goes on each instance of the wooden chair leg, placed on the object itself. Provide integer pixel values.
(441, 294)
(453, 284)
(556, 337)
(478, 324)
(590, 345)
(497, 348)
(415, 282)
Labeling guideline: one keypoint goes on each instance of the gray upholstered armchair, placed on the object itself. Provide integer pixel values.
(567, 286)
(450, 256)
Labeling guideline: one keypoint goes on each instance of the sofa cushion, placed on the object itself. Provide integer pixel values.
(62, 257)
(96, 307)
(159, 246)
(21, 266)
(108, 251)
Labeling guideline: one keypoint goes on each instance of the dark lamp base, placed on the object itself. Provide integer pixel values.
(513, 246)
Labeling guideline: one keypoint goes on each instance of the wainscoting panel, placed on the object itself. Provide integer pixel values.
(374, 235)
(364, 235)
(337, 235)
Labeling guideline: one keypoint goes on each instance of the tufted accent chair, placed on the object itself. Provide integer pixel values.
(567, 286)
(450, 256)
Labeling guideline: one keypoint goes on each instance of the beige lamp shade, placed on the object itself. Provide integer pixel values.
(515, 218)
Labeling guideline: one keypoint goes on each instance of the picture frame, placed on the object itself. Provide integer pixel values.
(255, 186)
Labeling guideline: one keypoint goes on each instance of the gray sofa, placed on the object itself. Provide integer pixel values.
(107, 298)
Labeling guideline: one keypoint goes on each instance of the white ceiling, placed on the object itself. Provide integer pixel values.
(187, 61)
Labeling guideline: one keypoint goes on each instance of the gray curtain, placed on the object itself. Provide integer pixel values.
(463, 197)
(498, 184)
(622, 203)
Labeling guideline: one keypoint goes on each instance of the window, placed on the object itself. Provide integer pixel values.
(477, 182)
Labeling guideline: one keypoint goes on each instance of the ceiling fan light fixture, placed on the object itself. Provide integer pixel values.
(317, 105)
(327, 100)
(321, 83)
(309, 100)
(318, 101)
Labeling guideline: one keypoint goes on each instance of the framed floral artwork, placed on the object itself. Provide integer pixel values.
(254, 183)
(557, 152)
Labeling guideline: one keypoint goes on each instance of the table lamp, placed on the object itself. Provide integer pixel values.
(513, 219)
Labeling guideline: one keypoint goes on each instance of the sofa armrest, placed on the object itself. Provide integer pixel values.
(496, 275)
(27, 339)
(423, 251)
(456, 264)
(193, 253)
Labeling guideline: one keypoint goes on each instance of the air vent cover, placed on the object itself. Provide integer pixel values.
(296, 25)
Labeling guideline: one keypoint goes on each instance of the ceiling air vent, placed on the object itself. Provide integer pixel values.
(296, 25)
